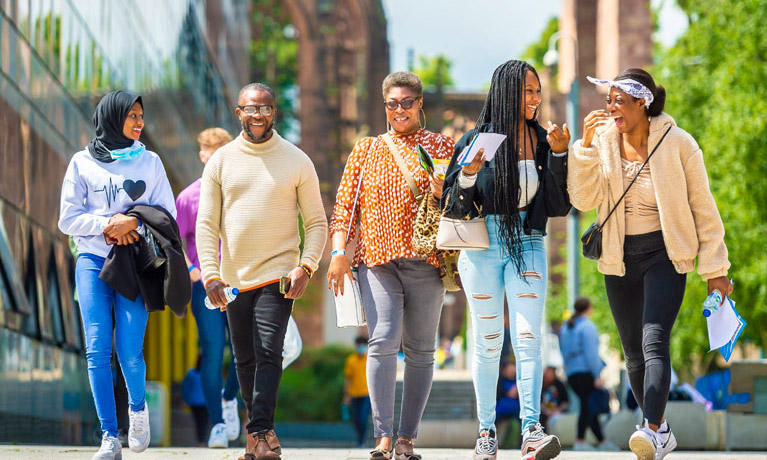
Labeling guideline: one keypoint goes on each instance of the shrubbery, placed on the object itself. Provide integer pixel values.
(312, 388)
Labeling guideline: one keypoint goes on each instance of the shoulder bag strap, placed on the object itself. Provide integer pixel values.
(401, 163)
(635, 178)
(357, 193)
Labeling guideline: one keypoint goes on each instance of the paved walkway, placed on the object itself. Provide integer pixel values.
(18, 452)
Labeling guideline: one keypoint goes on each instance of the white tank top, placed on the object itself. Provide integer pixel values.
(528, 182)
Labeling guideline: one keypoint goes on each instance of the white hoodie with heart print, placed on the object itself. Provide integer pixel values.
(93, 192)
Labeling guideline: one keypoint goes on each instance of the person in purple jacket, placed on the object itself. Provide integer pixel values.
(211, 324)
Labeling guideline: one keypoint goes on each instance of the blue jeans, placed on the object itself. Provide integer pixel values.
(97, 301)
(486, 275)
(211, 329)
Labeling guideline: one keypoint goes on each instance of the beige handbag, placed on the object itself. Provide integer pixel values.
(462, 234)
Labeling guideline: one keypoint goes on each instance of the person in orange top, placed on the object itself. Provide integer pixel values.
(401, 293)
(356, 388)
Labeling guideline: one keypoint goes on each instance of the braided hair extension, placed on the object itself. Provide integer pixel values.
(503, 110)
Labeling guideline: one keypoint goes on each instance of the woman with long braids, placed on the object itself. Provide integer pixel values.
(517, 191)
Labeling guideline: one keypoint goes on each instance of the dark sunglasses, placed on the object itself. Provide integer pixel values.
(406, 104)
(251, 110)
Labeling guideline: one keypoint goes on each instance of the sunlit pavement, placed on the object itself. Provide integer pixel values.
(68, 452)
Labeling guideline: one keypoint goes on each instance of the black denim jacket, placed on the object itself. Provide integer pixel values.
(551, 200)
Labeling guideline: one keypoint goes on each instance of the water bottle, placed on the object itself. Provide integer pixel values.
(229, 292)
(712, 302)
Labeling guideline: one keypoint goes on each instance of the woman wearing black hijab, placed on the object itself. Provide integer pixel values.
(113, 173)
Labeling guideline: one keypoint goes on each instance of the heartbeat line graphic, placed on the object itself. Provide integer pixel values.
(111, 192)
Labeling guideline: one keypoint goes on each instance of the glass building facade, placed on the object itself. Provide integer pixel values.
(187, 59)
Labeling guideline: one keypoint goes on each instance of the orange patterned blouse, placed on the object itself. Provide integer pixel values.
(386, 206)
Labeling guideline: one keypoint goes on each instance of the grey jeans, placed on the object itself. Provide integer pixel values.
(403, 302)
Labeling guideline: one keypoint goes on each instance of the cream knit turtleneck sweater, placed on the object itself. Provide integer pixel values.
(250, 198)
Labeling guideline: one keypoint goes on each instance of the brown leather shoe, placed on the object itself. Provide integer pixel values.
(257, 447)
(273, 442)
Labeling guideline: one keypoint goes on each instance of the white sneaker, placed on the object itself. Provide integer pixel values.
(487, 446)
(668, 439)
(537, 445)
(649, 445)
(231, 419)
(218, 439)
(110, 449)
(138, 434)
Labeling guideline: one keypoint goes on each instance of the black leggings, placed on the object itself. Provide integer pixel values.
(582, 384)
(645, 303)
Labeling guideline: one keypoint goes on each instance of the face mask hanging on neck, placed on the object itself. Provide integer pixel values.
(128, 153)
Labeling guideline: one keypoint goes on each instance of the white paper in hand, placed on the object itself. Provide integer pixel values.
(723, 324)
(349, 311)
(488, 141)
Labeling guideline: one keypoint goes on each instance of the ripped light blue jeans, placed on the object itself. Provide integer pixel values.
(486, 276)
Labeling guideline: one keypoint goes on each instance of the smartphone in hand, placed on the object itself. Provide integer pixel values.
(284, 284)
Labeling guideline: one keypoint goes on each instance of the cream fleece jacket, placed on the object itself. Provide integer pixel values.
(250, 197)
(689, 218)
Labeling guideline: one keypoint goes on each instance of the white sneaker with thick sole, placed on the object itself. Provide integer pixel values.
(231, 419)
(487, 446)
(650, 445)
(643, 443)
(218, 439)
(138, 433)
(537, 445)
(110, 449)
(668, 439)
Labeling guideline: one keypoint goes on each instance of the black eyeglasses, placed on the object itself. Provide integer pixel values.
(251, 110)
(406, 104)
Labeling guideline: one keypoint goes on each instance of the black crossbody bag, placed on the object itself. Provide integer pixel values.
(592, 237)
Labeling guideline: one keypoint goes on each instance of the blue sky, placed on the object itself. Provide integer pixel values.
(478, 35)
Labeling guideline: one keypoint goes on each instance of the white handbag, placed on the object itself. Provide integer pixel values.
(462, 234)
(349, 310)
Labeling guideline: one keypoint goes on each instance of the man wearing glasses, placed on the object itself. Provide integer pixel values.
(251, 192)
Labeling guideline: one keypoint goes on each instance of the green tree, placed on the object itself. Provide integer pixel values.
(434, 72)
(715, 81)
(274, 57)
(535, 51)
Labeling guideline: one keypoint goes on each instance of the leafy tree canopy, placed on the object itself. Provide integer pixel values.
(434, 72)
(715, 81)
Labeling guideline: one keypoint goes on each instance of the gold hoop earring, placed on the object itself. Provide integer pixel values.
(421, 125)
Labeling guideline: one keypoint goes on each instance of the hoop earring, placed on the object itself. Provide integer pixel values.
(424, 119)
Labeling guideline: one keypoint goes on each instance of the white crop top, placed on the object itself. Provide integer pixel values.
(528, 182)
